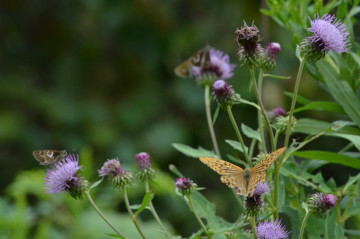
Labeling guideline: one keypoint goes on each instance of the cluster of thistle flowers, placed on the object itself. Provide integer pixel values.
(64, 175)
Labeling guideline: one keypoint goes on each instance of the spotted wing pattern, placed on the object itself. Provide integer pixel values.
(255, 178)
(49, 156)
(268, 160)
(236, 182)
(220, 166)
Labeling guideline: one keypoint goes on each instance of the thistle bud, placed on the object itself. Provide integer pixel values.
(250, 52)
(320, 203)
(185, 185)
(281, 123)
(223, 93)
(118, 176)
(271, 52)
(143, 163)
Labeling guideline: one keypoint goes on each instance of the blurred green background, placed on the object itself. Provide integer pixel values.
(96, 77)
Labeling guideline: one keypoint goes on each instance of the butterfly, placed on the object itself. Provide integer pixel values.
(244, 181)
(49, 156)
(200, 58)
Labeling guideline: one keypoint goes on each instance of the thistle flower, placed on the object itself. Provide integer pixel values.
(271, 230)
(143, 163)
(63, 177)
(219, 68)
(281, 123)
(253, 205)
(278, 111)
(119, 177)
(185, 185)
(223, 93)
(262, 188)
(328, 34)
(272, 50)
(320, 203)
(250, 53)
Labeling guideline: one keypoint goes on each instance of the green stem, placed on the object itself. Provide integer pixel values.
(197, 216)
(271, 134)
(102, 215)
(238, 134)
(153, 211)
(348, 206)
(326, 236)
(252, 148)
(293, 102)
(302, 229)
(338, 213)
(260, 122)
(209, 120)
(126, 199)
(253, 225)
(276, 189)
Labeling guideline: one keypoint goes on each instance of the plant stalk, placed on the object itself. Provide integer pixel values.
(260, 122)
(126, 199)
(197, 216)
(102, 215)
(238, 134)
(209, 120)
(302, 229)
(253, 225)
(153, 211)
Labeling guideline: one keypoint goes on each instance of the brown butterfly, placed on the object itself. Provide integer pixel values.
(244, 181)
(49, 156)
(200, 58)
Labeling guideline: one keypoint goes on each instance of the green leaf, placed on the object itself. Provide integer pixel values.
(351, 232)
(322, 105)
(297, 53)
(277, 77)
(341, 91)
(236, 145)
(95, 184)
(354, 210)
(114, 235)
(249, 132)
(339, 232)
(146, 201)
(299, 99)
(350, 182)
(216, 114)
(330, 157)
(310, 126)
(194, 153)
(355, 57)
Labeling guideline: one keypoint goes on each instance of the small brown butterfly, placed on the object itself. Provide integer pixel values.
(244, 181)
(200, 58)
(49, 156)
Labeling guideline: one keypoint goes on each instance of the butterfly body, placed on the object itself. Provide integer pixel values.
(244, 181)
(49, 156)
(201, 59)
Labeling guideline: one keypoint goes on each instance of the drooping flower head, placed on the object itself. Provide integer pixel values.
(119, 177)
(250, 53)
(320, 203)
(271, 230)
(143, 163)
(328, 34)
(64, 177)
(223, 93)
(272, 50)
(219, 68)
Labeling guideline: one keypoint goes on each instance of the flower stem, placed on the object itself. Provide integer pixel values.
(197, 216)
(326, 227)
(260, 122)
(293, 102)
(253, 225)
(153, 211)
(209, 120)
(302, 229)
(102, 215)
(238, 134)
(271, 134)
(126, 199)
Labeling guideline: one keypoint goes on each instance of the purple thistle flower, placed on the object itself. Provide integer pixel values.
(184, 183)
(253, 205)
(63, 175)
(278, 111)
(320, 203)
(271, 230)
(111, 168)
(220, 66)
(329, 34)
(272, 50)
(143, 161)
(262, 188)
(222, 92)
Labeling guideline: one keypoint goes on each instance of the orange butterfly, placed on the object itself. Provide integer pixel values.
(244, 181)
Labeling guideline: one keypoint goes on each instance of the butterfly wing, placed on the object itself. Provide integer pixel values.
(231, 175)
(183, 70)
(220, 166)
(258, 173)
(49, 156)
